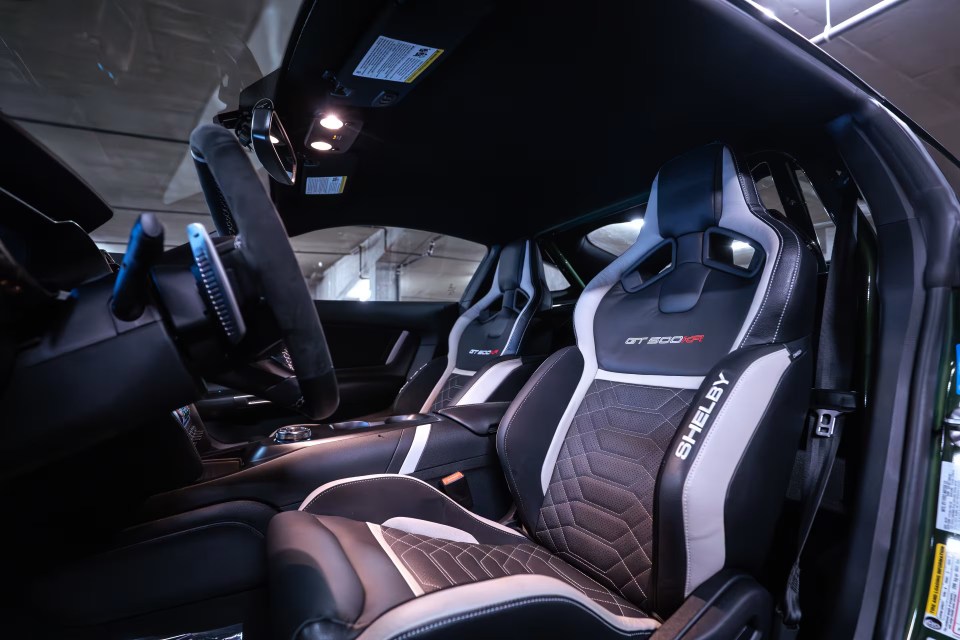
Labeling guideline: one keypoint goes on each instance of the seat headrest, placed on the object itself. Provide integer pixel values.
(690, 192)
(510, 271)
(520, 267)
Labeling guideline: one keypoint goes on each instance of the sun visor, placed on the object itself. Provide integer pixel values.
(405, 43)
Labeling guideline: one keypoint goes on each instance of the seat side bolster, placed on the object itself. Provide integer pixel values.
(527, 605)
(487, 380)
(748, 406)
(728, 605)
(528, 427)
(309, 567)
(378, 498)
(418, 388)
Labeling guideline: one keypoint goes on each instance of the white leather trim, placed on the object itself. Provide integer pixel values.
(483, 387)
(412, 459)
(429, 529)
(738, 217)
(393, 476)
(583, 316)
(407, 576)
(672, 382)
(456, 332)
(456, 601)
(463, 372)
(710, 475)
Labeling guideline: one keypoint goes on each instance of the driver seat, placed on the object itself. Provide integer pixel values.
(494, 345)
(646, 462)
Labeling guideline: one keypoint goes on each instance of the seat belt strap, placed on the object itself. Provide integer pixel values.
(830, 404)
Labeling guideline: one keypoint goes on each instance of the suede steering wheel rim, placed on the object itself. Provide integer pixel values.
(262, 239)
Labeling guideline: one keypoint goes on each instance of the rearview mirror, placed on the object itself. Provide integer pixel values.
(271, 144)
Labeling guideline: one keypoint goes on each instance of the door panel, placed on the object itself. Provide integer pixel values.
(376, 345)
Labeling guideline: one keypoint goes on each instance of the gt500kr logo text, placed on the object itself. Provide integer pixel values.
(665, 340)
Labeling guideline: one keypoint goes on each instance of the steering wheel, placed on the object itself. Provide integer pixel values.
(235, 194)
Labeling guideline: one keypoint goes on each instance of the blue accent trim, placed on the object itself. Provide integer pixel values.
(957, 364)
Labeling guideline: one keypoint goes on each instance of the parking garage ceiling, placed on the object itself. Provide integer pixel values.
(114, 87)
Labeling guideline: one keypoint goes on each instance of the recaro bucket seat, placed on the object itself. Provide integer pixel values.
(488, 347)
(645, 461)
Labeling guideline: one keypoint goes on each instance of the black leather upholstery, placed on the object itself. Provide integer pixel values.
(526, 429)
(646, 460)
(500, 326)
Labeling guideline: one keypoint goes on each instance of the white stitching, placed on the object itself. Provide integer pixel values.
(419, 483)
(508, 424)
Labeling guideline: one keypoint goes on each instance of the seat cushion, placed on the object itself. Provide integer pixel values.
(398, 545)
(438, 563)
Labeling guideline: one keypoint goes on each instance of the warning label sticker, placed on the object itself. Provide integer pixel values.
(942, 599)
(948, 503)
(325, 185)
(396, 60)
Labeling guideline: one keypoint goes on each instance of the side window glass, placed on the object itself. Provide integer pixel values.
(556, 281)
(617, 237)
(767, 189)
(386, 263)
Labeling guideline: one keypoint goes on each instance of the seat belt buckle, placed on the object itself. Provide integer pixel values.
(456, 488)
(827, 405)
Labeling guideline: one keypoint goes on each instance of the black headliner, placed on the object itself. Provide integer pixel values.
(489, 145)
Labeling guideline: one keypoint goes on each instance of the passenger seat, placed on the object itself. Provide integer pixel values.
(494, 346)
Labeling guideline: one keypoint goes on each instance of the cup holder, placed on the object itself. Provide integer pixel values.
(409, 417)
(350, 424)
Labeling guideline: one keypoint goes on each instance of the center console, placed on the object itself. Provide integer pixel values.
(283, 468)
(196, 558)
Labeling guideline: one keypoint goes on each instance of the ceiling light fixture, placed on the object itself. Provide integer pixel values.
(320, 145)
(331, 122)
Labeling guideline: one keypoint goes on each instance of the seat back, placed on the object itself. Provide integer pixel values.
(657, 451)
(488, 336)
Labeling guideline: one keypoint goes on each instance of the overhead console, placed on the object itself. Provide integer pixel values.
(350, 60)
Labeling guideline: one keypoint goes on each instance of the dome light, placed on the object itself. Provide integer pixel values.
(320, 145)
(331, 122)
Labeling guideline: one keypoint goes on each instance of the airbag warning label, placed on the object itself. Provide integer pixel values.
(396, 60)
(325, 185)
(948, 503)
(942, 599)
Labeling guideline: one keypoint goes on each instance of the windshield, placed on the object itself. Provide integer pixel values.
(114, 88)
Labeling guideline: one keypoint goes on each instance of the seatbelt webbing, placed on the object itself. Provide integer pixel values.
(830, 401)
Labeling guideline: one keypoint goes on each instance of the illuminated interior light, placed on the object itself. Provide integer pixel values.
(274, 139)
(737, 245)
(331, 122)
(321, 145)
(636, 223)
(361, 290)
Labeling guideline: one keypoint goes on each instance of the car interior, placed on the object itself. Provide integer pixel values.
(708, 251)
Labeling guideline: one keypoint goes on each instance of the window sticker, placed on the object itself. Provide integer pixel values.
(948, 501)
(942, 599)
(325, 185)
(396, 60)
